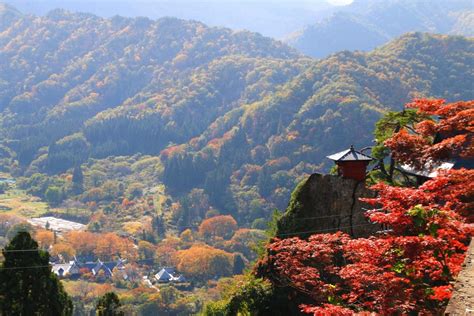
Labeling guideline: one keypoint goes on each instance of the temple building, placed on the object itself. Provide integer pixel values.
(351, 164)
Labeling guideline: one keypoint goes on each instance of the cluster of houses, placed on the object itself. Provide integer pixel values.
(76, 268)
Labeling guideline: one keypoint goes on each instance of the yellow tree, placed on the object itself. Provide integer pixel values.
(45, 238)
(203, 262)
(218, 226)
(66, 251)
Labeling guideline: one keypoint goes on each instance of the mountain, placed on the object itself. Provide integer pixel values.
(8, 14)
(270, 18)
(59, 70)
(330, 105)
(366, 24)
(236, 115)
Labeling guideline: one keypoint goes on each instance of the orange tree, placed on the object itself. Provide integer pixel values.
(218, 226)
(203, 262)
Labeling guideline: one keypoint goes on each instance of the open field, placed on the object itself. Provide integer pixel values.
(17, 202)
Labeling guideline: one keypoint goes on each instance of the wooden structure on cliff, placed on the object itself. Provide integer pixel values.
(351, 164)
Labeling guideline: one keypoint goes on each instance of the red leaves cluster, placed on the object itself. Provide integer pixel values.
(308, 266)
(452, 127)
(451, 194)
(408, 267)
(387, 275)
(328, 309)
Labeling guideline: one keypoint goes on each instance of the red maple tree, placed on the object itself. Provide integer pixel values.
(408, 267)
(447, 134)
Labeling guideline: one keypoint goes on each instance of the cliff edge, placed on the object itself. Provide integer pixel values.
(326, 204)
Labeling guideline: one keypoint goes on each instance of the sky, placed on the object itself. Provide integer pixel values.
(340, 2)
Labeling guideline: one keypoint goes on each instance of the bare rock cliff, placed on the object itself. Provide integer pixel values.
(325, 204)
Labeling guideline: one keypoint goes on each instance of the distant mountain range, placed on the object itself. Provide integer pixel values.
(275, 18)
(315, 28)
(237, 114)
(366, 24)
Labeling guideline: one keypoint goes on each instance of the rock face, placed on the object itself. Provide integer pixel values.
(325, 204)
(462, 301)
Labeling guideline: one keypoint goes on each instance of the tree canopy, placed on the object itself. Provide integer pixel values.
(109, 305)
(27, 285)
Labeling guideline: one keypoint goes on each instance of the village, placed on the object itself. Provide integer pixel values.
(105, 271)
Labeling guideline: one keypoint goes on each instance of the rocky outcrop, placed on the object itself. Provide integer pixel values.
(462, 301)
(324, 204)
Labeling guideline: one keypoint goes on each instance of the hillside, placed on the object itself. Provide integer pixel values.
(233, 116)
(329, 106)
(366, 24)
(59, 70)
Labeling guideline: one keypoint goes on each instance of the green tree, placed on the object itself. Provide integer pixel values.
(3, 187)
(109, 305)
(386, 127)
(27, 285)
(77, 180)
(239, 264)
(54, 195)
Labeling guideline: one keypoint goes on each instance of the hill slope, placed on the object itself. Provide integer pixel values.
(59, 70)
(367, 24)
(332, 104)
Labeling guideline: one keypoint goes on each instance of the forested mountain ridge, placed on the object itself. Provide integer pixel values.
(329, 106)
(238, 116)
(366, 24)
(270, 18)
(59, 70)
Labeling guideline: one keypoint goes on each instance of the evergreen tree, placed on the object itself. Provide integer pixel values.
(159, 226)
(27, 285)
(77, 180)
(54, 195)
(239, 264)
(109, 305)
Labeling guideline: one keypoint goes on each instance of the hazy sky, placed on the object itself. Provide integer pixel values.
(340, 2)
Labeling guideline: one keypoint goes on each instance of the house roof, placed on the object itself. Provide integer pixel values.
(350, 155)
(180, 278)
(170, 270)
(57, 267)
(102, 266)
(430, 171)
(163, 275)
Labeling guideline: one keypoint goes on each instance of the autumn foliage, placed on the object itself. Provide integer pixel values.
(218, 226)
(108, 246)
(203, 262)
(408, 267)
(448, 134)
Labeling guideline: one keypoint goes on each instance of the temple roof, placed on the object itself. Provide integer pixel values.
(429, 171)
(350, 155)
